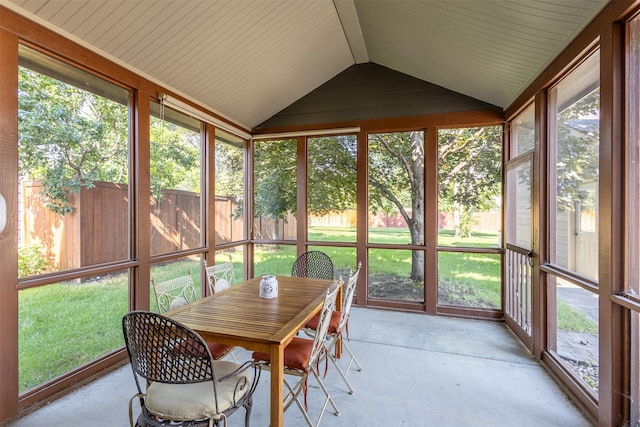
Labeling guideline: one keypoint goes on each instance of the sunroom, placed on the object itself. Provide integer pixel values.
(479, 159)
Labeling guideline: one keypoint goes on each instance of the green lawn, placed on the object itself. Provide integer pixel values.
(65, 325)
(469, 279)
(572, 320)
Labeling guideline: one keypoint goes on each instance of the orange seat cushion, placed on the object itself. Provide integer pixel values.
(296, 354)
(218, 350)
(333, 324)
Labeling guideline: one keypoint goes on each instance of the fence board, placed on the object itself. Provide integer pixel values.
(97, 231)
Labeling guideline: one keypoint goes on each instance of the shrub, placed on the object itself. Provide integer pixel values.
(31, 259)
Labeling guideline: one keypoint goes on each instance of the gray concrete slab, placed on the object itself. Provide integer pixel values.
(419, 370)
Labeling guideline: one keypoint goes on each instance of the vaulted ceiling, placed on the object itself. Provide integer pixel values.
(248, 59)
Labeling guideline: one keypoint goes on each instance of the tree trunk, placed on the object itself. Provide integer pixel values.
(417, 266)
(416, 224)
(416, 228)
(277, 235)
(457, 212)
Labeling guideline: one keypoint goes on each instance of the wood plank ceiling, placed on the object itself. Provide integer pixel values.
(249, 59)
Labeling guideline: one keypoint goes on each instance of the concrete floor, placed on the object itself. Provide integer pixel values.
(419, 370)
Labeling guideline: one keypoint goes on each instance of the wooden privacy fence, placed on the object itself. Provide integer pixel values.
(97, 231)
(175, 222)
(229, 227)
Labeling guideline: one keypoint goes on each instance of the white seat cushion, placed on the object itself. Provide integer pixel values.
(184, 402)
(222, 284)
(177, 302)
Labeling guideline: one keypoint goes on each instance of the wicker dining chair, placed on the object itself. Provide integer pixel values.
(220, 276)
(301, 357)
(339, 328)
(188, 387)
(174, 293)
(313, 264)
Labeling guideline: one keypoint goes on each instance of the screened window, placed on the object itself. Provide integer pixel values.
(73, 193)
(275, 205)
(573, 216)
(393, 275)
(396, 215)
(469, 183)
(574, 157)
(73, 167)
(175, 166)
(396, 188)
(229, 188)
(469, 216)
(68, 323)
(331, 188)
(518, 201)
(523, 132)
(275, 189)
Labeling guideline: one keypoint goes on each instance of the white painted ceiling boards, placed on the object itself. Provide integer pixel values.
(249, 59)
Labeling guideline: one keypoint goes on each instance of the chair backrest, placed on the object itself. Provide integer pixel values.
(320, 337)
(313, 264)
(151, 340)
(348, 292)
(220, 276)
(174, 293)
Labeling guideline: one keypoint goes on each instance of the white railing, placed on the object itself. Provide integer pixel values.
(518, 287)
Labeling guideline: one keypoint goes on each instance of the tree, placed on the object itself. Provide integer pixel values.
(275, 181)
(468, 176)
(577, 156)
(396, 182)
(331, 177)
(68, 138)
(469, 172)
(175, 158)
(229, 173)
(331, 174)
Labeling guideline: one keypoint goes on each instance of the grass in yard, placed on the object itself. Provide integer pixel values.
(278, 259)
(468, 279)
(572, 320)
(65, 325)
(398, 236)
(390, 262)
(332, 234)
(274, 259)
(476, 240)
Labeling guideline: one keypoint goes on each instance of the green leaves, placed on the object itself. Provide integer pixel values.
(68, 138)
(275, 178)
(175, 158)
(331, 174)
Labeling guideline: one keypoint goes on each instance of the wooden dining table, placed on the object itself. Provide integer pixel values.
(239, 317)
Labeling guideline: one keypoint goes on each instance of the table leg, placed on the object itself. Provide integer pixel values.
(338, 347)
(277, 385)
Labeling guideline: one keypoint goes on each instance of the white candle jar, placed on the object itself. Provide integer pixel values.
(268, 286)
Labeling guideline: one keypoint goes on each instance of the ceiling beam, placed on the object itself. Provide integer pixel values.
(348, 16)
